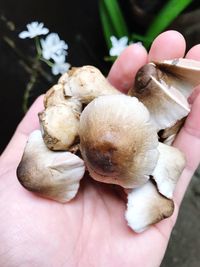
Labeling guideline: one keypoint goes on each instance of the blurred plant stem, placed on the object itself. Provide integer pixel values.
(32, 67)
(28, 90)
(34, 75)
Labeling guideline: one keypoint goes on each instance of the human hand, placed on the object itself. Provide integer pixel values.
(90, 230)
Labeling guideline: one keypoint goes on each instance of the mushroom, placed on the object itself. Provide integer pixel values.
(86, 83)
(60, 119)
(54, 175)
(185, 72)
(164, 87)
(59, 126)
(117, 141)
(119, 138)
(120, 145)
(170, 165)
(146, 206)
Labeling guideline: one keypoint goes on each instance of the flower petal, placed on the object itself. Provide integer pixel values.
(114, 40)
(123, 41)
(24, 34)
(113, 52)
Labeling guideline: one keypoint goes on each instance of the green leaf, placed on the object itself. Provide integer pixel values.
(116, 17)
(110, 58)
(167, 14)
(138, 37)
(108, 29)
(112, 20)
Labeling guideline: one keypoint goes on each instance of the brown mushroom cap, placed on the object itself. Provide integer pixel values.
(146, 206)
(118, 143)
(54, 175)
(86, 83)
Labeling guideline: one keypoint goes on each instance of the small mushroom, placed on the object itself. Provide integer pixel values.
(59, 126)
(54, 175)
(117, 141)
(164, 88)
(60, 119)
(146, 206)
(170, 165)
(63, 105)
(87, 83)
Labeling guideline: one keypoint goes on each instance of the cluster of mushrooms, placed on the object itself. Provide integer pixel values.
(120, 139)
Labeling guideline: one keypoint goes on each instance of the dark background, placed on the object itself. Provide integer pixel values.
(77, 22)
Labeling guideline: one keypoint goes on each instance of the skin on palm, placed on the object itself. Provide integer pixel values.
(68, 232)
(90, 229)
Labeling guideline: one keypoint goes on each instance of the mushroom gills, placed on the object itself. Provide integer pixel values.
(173, 108)
(53, 175)
(187, 72)
(163, 93)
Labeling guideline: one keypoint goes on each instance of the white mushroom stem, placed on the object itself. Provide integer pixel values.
(146, 206)
(86, 83)
(170, 165)
(54, 175)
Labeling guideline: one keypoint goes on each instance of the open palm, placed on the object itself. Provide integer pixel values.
(91, 229)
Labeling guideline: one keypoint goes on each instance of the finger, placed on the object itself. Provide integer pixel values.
(122, 73)
(194, 95)
(13, 152)
(188, 141)
(168, 45)
(194, 52)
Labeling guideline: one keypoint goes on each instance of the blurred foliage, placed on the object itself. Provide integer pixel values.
(115, 24)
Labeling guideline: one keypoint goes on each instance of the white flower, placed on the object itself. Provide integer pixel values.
(52, 46)
(118, 45)
(34, 29)
(60, 66)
